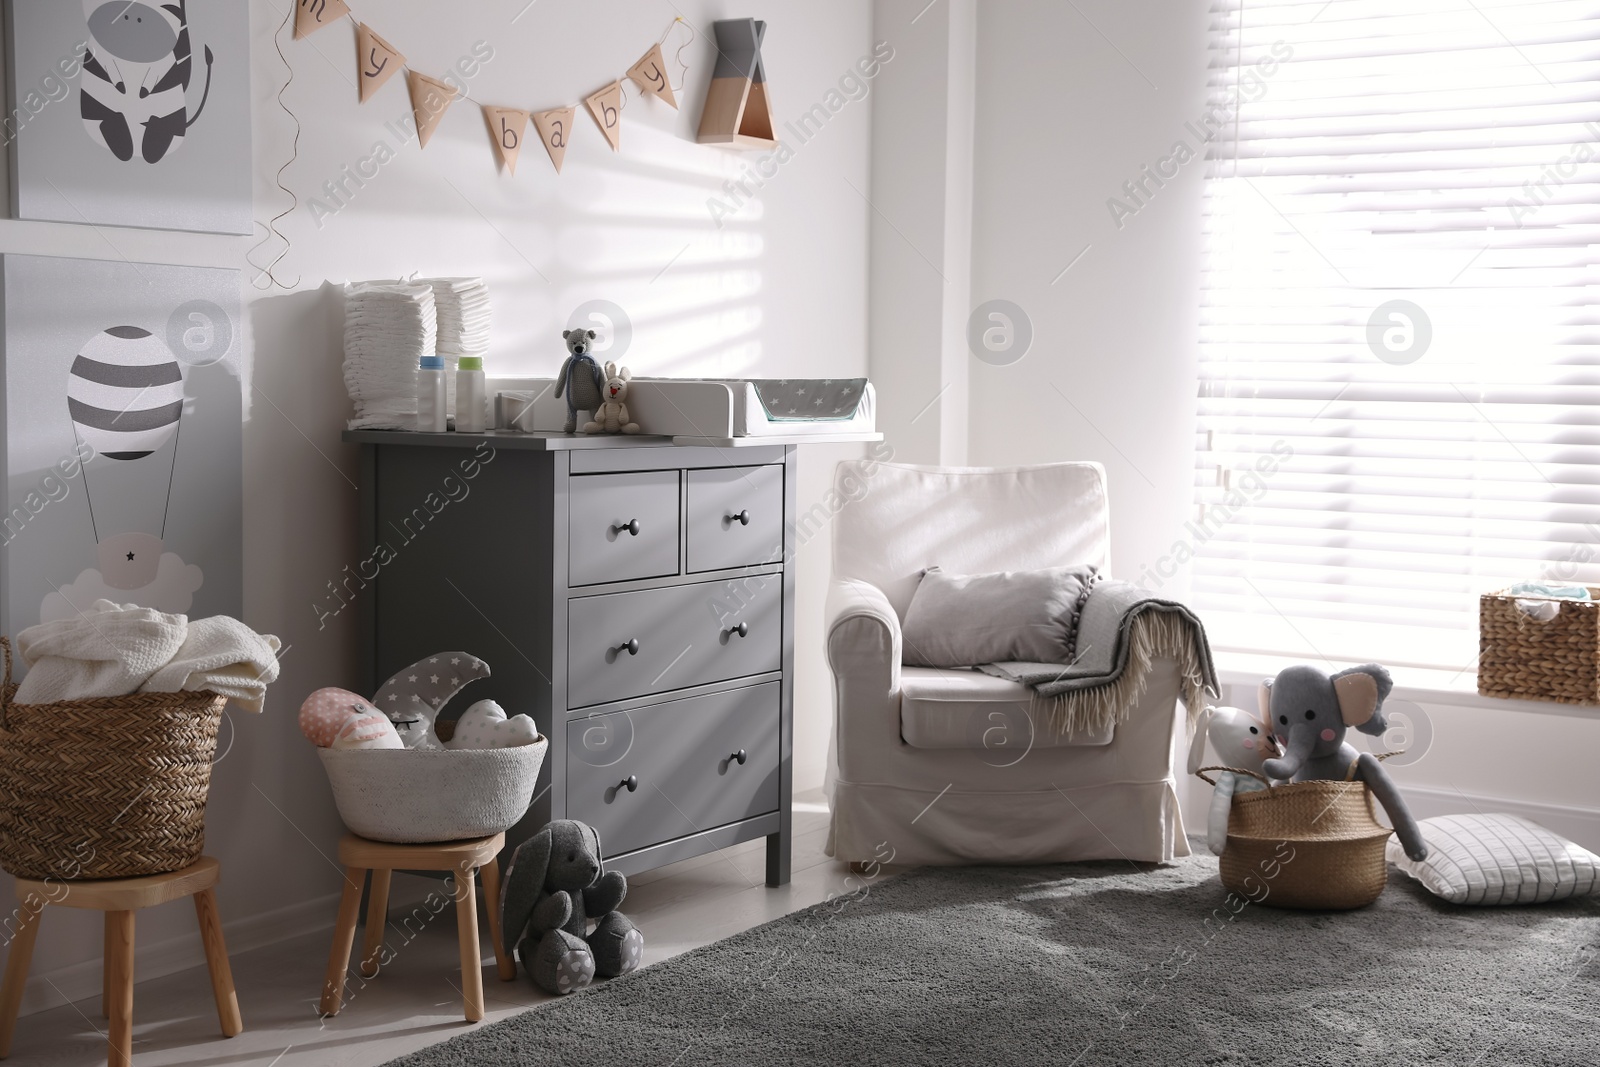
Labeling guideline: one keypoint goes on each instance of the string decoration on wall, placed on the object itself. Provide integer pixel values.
(268, 273)
(377, 61)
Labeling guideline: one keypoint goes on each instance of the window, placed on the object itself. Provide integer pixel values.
(1400, 390)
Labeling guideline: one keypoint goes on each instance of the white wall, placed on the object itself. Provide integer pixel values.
(779, 288)
(1064, 117)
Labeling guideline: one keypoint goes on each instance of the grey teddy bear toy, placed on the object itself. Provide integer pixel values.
(553, 889)
(580, 378)
(1308, 712)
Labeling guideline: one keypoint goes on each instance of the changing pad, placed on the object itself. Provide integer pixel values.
(723, 408)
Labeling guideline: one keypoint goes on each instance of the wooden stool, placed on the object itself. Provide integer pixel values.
(462, 859)
(119, 898)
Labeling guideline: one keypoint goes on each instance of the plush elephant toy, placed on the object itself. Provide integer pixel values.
(580, 378)
(1309, 712)
(553, 889)
(1241, 740)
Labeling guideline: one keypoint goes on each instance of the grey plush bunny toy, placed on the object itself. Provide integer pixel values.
(1309, 711)
(553, 889)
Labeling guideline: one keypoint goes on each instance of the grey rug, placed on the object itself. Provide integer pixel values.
(1084, 964)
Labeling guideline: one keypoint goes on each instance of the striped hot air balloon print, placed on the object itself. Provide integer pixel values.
(125, 393)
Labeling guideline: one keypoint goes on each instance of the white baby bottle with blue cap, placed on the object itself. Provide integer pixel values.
(433, 403)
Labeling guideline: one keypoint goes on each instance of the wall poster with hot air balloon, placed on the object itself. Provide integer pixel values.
(130, 112)
(122, 441)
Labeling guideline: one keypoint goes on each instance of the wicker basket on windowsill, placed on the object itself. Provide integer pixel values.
(1524, 658)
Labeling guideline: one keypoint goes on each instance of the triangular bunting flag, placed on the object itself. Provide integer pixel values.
(650, 75)
(555, 127)
(377, 61)
(606, 107)
(430, 98)
(311, 15)
(507, 126)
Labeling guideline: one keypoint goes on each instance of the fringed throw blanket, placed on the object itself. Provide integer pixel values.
(1121, 630)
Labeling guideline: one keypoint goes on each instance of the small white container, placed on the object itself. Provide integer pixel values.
(472, 396)
(433, 406)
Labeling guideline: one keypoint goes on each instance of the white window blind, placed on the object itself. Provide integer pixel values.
(1445, 153)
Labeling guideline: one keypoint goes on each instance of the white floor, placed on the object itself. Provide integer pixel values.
(416, 1001)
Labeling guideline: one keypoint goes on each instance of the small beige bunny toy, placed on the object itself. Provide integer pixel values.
(613, 414)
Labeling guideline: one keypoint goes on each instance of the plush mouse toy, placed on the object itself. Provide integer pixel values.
(580, 378)
(612, 417)
(554, 888)
(1241, 740)
(1309, 712)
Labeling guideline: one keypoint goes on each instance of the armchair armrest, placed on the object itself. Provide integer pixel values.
(863, 632)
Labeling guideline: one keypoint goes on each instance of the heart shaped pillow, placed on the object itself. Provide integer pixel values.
(484, 725)
(338, 718)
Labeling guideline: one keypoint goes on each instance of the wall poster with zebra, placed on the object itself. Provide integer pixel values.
(123, 438)
(130, 112)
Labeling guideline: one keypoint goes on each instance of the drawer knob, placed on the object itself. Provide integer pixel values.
(743, 519)
(739, 757)
(630, 646)
(743, 630)
(631, 526)
(630, 783)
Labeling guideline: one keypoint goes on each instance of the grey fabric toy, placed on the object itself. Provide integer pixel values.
(553, 889)
(580, 378)
(1309, 712)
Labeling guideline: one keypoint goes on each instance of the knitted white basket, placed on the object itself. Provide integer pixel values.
(410, 797)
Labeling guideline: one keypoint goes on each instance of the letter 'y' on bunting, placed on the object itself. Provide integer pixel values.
(606, 107)
(650, 75)
(311, 15)
(377, 62)
(555, 127)
(430, 98)
(507, 126)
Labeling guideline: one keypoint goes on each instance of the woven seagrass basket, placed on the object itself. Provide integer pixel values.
(1519, 656)
(107, 788)
(1311, 845)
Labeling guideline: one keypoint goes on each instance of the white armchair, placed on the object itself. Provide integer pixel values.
(950, 766)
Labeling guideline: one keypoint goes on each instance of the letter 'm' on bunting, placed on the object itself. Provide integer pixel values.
(311, 15)
(606, 107)
(650, 75)
(376, 62)
(507, 126)
(430, 99)
(555, 127)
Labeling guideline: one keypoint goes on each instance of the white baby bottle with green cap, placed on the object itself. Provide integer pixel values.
(472, 395)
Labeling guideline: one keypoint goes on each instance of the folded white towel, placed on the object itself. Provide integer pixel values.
(225, 656)
(108, 651)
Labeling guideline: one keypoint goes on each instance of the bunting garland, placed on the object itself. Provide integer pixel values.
(377, 61)
(555, 126)
(311, 15)
(606, 107)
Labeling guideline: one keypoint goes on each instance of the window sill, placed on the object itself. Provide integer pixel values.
(1417, 684)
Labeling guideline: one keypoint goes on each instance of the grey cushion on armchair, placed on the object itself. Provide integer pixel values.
(961, 620)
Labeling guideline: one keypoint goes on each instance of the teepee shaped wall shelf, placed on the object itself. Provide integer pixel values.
(738, 108)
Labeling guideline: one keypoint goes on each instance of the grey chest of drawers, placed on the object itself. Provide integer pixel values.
(635, 597)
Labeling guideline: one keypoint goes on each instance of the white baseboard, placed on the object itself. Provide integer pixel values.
(1576, 824)
(51, 989)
